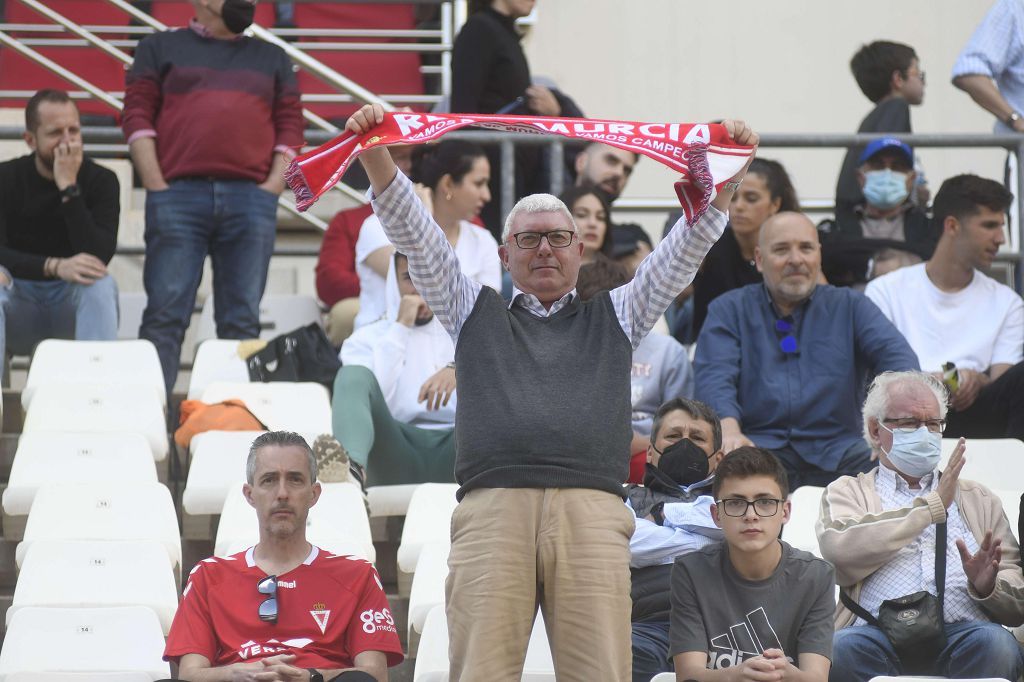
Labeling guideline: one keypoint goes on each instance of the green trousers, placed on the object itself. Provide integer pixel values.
(392, 452)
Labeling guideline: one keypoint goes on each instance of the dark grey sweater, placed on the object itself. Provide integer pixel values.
(543, 402)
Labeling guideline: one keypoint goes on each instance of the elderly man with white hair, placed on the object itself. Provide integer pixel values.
(881, 529)
(542, 437)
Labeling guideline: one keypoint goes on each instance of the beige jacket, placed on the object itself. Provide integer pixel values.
(858, 538)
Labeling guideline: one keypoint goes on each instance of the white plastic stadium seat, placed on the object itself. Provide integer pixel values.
(216, 360)
(432, 661)
(336, 523)
(75, 458)
(990, 461)
(664, 677)
(806, 506)
(96, 408)
(103, 511)
(279, 314)
(108, 640)
(390, 500)
(427, 585)
(77, 574)
(118, 363)
(906, 678)
(218, 463)
(303, 407)
(428, 521)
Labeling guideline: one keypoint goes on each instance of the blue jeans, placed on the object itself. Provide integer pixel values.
(33, 310)
(235, 222)
(974, 649)
(650, 650)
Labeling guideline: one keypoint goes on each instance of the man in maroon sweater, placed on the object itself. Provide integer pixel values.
(212, 117)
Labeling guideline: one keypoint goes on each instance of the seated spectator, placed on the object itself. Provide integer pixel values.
(255, 615)
(58, 231)
(950, 311)
(884, 232)
(605, 167)
(394, 396)
(785, 363)
(889, 74)
(456, 172)
(730, 264)
(661, 368)
(673, 517)
(337, 282)
(592, 215)
(752, 607)
(630, 245)
(879, 531)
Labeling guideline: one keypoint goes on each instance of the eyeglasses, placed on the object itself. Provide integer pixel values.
(268, 609)
(557, 239)
(787, 341)
(909, 424)
(737, 506)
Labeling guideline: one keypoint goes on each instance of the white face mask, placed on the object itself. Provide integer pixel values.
(916, 453)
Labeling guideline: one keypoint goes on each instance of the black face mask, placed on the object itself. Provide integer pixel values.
(684, 462)
(237, 15)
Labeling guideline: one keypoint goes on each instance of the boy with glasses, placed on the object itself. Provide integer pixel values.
(751, 607)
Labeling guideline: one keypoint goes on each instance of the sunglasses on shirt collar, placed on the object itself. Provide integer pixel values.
(268, 608)
(785, 329)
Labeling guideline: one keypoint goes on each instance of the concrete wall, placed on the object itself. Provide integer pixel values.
(781, 65)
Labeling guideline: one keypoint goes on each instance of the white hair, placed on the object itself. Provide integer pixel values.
(886, 384)
(536, 203)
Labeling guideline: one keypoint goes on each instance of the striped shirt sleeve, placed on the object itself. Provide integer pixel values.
(665, 273)
(433, 265)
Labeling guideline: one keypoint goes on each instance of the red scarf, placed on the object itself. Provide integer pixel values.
(702, 153)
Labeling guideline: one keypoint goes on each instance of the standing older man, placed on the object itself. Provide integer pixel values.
(879, 531)
(785, 363)
(284, 609)
(541, 518)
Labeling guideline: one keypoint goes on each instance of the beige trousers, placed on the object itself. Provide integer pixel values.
(341, 319)
(564, 549)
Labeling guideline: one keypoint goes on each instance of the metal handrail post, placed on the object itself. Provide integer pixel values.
(556, 166)
(508, 176)
(1018, 275)
(448, 38)
(319, 69)
(79, 31)
(56, 68)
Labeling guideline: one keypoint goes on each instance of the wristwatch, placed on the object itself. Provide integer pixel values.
(1012, 118)
(72, 191)
(315, 675)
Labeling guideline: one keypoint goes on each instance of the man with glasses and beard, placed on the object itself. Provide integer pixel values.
(785, 363)
(284, 609)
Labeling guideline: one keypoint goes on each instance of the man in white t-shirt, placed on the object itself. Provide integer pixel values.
(949, 311)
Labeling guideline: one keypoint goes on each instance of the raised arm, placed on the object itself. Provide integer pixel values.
(672, 266)
(433, 264)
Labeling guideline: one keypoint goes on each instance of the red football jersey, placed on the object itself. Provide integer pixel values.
(329, 609)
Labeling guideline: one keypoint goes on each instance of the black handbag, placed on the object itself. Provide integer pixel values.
(914, 624)
(304, 354)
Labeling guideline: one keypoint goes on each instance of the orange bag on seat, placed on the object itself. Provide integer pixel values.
(197, 417)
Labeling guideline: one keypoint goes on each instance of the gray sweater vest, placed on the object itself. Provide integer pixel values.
(543, 402)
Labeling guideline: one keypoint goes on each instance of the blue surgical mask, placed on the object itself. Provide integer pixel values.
(916, 453)
(885, 188)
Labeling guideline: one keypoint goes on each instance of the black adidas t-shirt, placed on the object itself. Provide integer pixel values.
(732, 619)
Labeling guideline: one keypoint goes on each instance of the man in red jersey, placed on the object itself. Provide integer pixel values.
(285, 609)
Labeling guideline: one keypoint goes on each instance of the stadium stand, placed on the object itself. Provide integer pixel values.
(279, 314)
(428, 521)
(216, 360)
(303, 407)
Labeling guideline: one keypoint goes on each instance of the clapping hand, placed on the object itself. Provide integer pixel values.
(983, 566)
